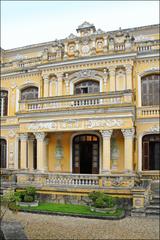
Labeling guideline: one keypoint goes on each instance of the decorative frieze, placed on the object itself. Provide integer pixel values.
(75, 124)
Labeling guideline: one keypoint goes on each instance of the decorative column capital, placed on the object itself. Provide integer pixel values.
(128, 68)
(112, 70)
(40, 135)
(59, 75)
(128, 133)
(23, 136)
(45, 77)
(106, 133)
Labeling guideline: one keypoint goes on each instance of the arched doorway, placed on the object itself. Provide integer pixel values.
(86, 154)
(151, 152)
(3, 150)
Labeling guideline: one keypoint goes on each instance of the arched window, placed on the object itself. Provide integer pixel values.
(87, 86)
(4, 103)
(3, 150)
(150, 90)
(29, 93)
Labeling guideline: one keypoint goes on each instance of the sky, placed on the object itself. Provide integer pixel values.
(31, 22)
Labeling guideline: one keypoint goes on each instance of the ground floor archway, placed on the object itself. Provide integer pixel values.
(151, 152)
(85, 149)
(3, 154)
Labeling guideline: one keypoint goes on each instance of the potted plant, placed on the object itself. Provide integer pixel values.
(101, 202)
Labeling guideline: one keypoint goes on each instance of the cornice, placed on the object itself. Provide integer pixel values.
(90, 60)
(20, 74)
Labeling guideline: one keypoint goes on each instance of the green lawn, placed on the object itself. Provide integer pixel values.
(71, 209)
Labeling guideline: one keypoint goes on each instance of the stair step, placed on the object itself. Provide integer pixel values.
(153, 203)
(153, 207)
(153, 211)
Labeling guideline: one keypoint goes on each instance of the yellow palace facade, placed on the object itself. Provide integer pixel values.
(77, 110)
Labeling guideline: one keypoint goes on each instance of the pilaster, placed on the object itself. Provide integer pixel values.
(112, 76)
(129, 76)
(59, 83)
(46, 85)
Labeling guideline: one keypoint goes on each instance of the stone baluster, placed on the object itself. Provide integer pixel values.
(112, 76)
(129, 76)
(23, 154)
(128, 148)
(106, 134)
(41, 157)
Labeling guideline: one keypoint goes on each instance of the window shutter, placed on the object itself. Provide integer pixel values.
(145, 155)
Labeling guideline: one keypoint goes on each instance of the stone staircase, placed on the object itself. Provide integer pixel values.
(153, 209)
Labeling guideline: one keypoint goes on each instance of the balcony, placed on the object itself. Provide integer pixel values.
(148, 112)
(77, 101)
(22, 179)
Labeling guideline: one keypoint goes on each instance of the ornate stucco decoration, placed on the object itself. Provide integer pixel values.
(42, 126)
(11, 133)
(104, 123)
(87, 73)
(155, 129)
(128, 133)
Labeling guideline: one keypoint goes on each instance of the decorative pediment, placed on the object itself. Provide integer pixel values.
(71, 36)
(85, 25)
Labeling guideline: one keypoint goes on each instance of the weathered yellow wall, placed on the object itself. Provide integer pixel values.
(51, 150)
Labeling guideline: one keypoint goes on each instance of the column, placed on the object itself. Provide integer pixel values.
(128, 148)
(112, 76)
(46, 85)
(41, 157)
(106, 134)
(105, 78)
(30, 153)
(46, 141)
(67, 84)
(16, 165)
(24, 154)
(60, 80)
(129, 76)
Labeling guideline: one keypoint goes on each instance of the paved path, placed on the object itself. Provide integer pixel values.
(58, 227)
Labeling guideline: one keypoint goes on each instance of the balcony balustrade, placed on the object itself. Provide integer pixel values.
(148, 112)
(77, 101)
(61, 180)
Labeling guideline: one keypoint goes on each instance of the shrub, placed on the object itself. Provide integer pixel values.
(99, 199)
(99, 203)
(28, 198)
(30, 191)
